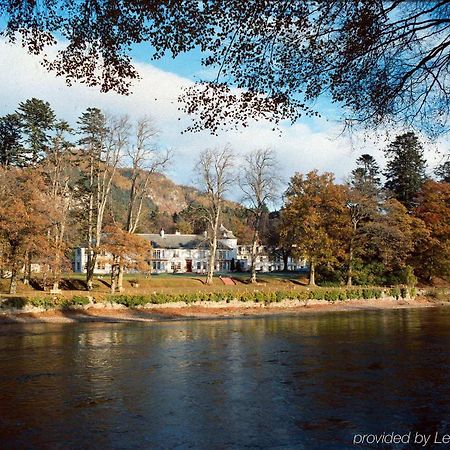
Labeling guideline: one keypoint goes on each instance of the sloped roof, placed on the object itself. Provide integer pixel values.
(226, 234)
(181, 241)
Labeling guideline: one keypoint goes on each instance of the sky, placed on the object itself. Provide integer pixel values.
(312, 143)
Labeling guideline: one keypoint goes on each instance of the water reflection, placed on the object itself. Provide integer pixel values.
(306, 382)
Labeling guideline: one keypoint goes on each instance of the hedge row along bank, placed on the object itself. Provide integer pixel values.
(132, 301)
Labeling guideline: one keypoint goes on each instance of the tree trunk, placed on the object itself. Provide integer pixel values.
(92, 261)
(13, 284)
(90, 250)
(312, 274)
(350, 266)
(27, 270)
(285, 261)
(120, 277)
(212, 260)
(254, 256)
(212, 255)
(113, 278)
(350, 256)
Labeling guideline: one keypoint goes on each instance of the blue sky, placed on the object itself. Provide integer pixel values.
(311, 143)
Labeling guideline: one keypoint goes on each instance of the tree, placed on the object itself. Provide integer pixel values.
(37, 120)
(103, 143)
(312, 212)
(443, 171)
(405, 172)
(384, 61)
(25, 218)
(432, 256)
(57, 168)
(363, 195)
(259, 183)
(391, 237)
(11, 150)
(145, 160)
(366, 177)
(215, 178)
(279, 237)
(126, 250)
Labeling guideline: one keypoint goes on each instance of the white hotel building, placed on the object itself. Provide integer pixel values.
(189, 253)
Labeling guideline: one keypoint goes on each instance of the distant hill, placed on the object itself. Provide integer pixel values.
(172, 206)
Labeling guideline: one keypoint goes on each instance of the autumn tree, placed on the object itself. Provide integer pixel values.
(312, 212)
(127, 251)
(279, 237)
(383, 61)
(391, 237)
(214, 167)
(432, 256)
(25, 218)
(57, 168)
(259, 182)
(405, 171)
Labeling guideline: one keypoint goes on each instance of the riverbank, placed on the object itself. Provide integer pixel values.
(106, 313)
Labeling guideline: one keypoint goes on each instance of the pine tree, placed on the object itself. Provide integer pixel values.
(405, 171)
(37, 120)
(443, 171)
(366, 177)
(93, 130)
(11, 150)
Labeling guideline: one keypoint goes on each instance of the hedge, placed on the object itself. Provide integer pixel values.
(131, 301)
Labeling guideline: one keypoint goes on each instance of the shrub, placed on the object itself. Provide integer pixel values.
(353, 294)
(42, 302)
(317, 294)
(79, 300)
(331, 295)
(14, 302)
(395, 292)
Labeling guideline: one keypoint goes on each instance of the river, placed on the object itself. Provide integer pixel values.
(286, 381)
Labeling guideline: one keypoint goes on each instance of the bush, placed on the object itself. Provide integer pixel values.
(79, 300)
(331, 295)
(42, 302)
(15, 302)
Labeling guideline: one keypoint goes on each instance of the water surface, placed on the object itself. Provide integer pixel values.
(293, 382)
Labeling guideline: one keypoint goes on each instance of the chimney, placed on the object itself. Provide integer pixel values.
(161, 233)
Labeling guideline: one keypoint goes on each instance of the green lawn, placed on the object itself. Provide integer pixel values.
(73, 284)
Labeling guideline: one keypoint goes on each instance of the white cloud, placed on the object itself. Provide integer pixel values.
(300, 148)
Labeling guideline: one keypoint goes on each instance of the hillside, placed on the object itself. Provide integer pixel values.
(172, 206)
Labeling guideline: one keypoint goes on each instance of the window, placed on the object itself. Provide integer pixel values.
(199, 265)
(158, 254)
